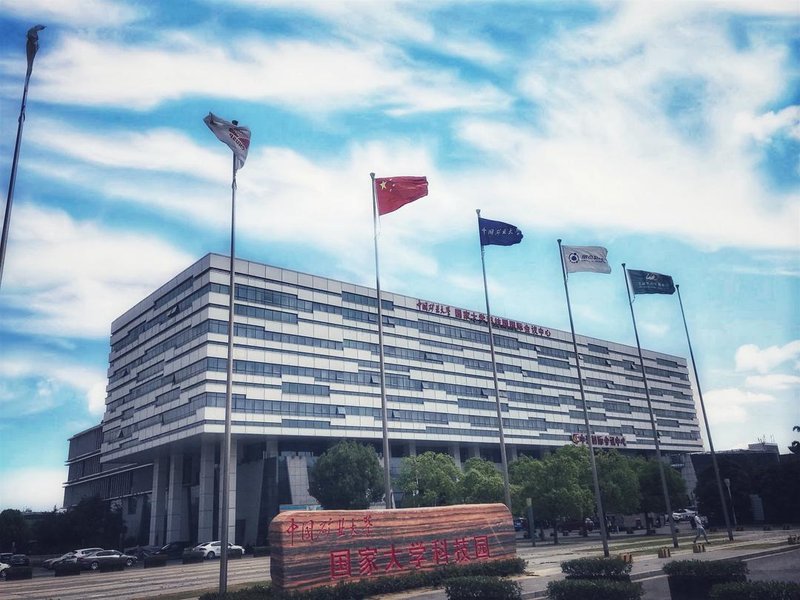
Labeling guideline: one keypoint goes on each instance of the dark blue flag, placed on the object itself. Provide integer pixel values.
(645, 282)
(497, 233)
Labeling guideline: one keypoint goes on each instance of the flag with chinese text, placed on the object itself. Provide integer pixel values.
(645, 282)
(585, 258)
(497, 233)
(236, 137)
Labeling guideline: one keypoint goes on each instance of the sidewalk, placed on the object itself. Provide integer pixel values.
(544, 560)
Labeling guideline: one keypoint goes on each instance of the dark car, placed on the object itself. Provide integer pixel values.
(105, 557)
(19, 560)
(175, 549)
(52, 563)
(142, 552)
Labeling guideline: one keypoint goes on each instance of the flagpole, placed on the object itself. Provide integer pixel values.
(387, 481)
(705, 419)
(652, 417)
(503, 460)
(31, 47)
(226, 453)
(598, 499)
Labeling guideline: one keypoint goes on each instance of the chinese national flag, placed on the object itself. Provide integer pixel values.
(394, 192)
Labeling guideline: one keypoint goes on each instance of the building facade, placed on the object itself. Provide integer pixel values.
(306, 374)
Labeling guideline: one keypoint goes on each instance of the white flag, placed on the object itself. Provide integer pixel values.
(236, 137)
(585, 258)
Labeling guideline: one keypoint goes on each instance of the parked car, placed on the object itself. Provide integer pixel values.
(105, 557)
(51, 563)
(175, 549)
(19, 560)
(141, 552)
(683, 514)
(84, 551)
(3, 568)
(5, 557)
(212, 549)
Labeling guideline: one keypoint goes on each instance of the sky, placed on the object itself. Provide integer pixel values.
(666, 131)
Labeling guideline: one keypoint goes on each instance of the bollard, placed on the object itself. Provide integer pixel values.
(697, 548)
(664, 552)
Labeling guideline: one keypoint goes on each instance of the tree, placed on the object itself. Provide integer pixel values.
(348, 476)
(651, 490)
(619, 484)
(780, 490)
(481, 482)
(556, 485)
(14, 532)
(430, 479)
(95, 522)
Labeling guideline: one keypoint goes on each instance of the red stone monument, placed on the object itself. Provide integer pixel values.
(314, 548)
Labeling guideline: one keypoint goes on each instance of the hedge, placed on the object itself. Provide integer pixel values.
(597, 568)
(66, 569)
(369, 588)
(13, 573)
(593, 589)
(695, 578)
(156, 560)
(756, 590)
(482, 588)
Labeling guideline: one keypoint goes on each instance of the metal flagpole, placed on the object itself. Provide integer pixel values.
(32, 47)
(503, 460)
(705, 419)
(652, 418)
(599, 501)
(387, 481)
(226, 451)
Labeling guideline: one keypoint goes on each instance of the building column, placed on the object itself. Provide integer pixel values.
(412, 448)
(175, 504)
(512, 453)
(455, 452)
(158, 500)
(231, 492)
(205, 505)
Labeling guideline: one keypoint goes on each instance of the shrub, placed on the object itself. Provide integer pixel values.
(756, 590)
(156, 560)
(695, 578)
(260, 550)
(13, 573)
(597, 568)
(593, 589)
(106, 567)
(66, 569)
(190, 558)
(482, 588)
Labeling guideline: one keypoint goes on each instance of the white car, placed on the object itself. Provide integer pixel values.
(212, 549)
(3, 568)
(683, 514)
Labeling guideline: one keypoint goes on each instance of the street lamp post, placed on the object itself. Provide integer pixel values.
(730, 498)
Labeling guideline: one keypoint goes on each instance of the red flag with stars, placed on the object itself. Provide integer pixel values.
(394, 192)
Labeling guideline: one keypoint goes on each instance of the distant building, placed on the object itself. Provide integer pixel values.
(306, 374)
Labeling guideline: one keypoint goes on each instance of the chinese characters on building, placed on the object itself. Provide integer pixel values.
(599, 440)
(476, 317)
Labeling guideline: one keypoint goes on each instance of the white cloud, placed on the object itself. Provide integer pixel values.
(751, 357)
(732, 405)
(92, 13)
(775, 381)
(764, 126)
(33, 488)
(296, 74)
(57, 266)
(34, 383)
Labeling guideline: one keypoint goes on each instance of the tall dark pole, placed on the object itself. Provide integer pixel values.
(598, 498)
(226, 446)
(652, 418)
(705, 419)
(387, 455)
(32, 47)
(503, 458)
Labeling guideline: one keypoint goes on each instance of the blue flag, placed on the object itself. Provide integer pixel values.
(497, 233)
(645, 282)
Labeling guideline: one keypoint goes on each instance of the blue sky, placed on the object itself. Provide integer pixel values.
(668, 132)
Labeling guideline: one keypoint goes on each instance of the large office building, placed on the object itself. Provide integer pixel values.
(306, 374)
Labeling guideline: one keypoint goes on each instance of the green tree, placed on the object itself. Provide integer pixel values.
(481, 482)
(430, 479)
(651, 491)
(347, 476)
(556, 485)
(14, 531)
(94, 522)
(619, 483)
